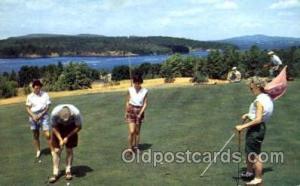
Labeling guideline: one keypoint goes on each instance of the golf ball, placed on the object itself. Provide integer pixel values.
(40, 161)
(68, 183)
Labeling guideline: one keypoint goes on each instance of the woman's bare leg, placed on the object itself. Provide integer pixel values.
(258, 167)
(131, 135)
(36, 142)
(47, 137)
(137, 135)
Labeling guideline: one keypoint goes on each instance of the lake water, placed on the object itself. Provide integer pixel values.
(94, 62)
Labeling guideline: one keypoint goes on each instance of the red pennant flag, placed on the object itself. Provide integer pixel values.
(278, 86)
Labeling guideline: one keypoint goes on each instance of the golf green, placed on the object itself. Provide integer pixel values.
(195, 119)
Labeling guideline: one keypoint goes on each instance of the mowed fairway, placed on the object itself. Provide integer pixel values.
(197, 119)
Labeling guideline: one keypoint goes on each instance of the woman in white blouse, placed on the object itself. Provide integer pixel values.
(136, 105)
(37, 106)
(255, 121)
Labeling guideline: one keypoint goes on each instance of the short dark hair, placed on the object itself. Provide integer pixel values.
(36, 82)
(137, 79)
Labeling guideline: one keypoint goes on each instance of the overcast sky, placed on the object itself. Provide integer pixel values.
(195, 19)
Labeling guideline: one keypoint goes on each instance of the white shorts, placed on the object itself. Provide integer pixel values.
(42, 123)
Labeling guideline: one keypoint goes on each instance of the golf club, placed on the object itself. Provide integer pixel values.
(231, 137)
(238, 166)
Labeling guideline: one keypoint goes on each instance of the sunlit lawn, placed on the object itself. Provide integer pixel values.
(197, 119)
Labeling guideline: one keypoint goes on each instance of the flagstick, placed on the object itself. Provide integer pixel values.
(129, 62)
(238, 167)
(217, 154)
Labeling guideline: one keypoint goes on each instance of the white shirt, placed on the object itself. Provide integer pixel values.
(38, 103)
(267, 104)
(74, 112)
(276, 60)
(234, 76)
(137, 98)
(238, 75)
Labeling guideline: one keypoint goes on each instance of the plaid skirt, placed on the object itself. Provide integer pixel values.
(132, 114)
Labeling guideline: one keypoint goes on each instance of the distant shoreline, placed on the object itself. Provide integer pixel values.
(92, 54)
(55, 55)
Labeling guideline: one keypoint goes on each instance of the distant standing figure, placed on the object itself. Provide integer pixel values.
(66, 123)
(37, 106)
(136, 105)
(275, 64)
(234, 76)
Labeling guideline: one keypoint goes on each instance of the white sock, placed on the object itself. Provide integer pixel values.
(254, 181)
(55, 170)
(258, 179)
(38, 153)
(56, 160)
(68, 168)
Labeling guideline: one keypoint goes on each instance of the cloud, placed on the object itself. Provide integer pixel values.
(226, 5)
(286, 14)
(186, 13)
(119, 4)
(204, 2)
(216, 4)
(40, 4)
(250, 25)
(285, 4)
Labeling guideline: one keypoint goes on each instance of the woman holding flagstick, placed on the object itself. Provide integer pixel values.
(259, 113)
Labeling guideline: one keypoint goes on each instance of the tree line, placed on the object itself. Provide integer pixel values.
(45, 46)
(216, 65)
(78, 75)
(73, 76)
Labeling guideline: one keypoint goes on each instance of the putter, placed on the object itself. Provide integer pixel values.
(231, 137)
(238, 166)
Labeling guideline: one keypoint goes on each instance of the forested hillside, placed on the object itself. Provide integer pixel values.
(45, 45)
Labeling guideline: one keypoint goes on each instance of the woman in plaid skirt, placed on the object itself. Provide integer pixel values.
(136, 105)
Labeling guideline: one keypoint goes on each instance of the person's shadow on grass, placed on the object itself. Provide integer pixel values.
(145, 146)
(46, 151)
(81, 170)
(267, 169)
(77, 171)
